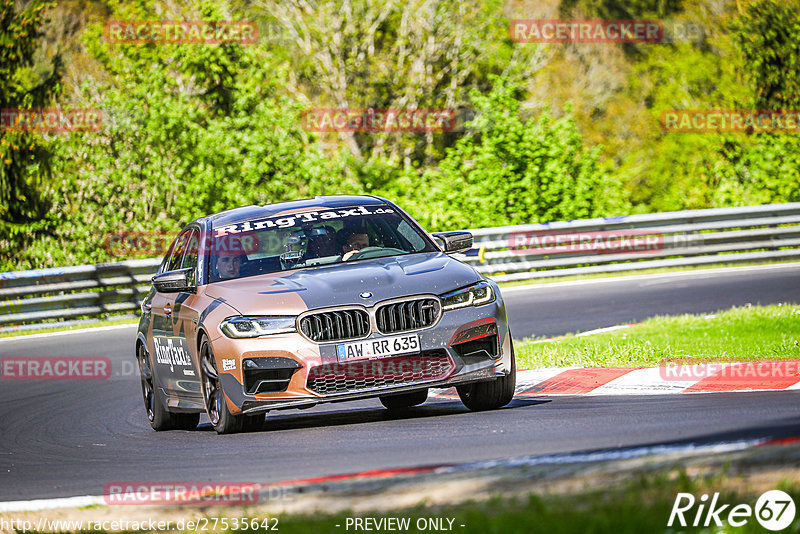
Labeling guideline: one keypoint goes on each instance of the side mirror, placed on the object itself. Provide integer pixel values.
(175, 281)
(453, 241)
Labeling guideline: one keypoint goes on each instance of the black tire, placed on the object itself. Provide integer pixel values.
(223, 421)
(405, 400)
(253, 423)
(490, 395)
(158, 416)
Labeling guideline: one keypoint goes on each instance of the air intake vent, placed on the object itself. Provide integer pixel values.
(335, 325)
(373, 374)
(408, 315)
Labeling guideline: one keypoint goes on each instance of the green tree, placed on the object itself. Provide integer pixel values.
(512, 170)
(765, 167)
(396, 54)
(736, 64)
(191, 129)
(26, 82)
(766, 35)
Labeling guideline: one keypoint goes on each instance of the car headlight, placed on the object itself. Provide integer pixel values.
(239, 327)
(475, 295)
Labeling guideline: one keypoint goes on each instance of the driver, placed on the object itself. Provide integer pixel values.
(353, 243)
(228, 266)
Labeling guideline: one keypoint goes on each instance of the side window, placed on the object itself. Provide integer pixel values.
(177, 252)
(192, 246)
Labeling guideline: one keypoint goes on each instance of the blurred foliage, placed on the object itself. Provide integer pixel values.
(190, 130)
(420, 54)
(510, 169)
(557, 131)
(703, 65)
(28, 82)
(766, 35)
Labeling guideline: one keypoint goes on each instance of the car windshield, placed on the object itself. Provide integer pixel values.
(309, 239)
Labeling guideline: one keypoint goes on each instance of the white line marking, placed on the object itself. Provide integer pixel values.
(65, 332)
(588, 332)
(49, 504)
(610, 454)
(647, 381)
(604, 330)
(528, 378)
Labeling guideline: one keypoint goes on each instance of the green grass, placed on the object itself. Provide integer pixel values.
(741, 334)
(637, 507)
(640, 504)
(44, 329)
(637, 272)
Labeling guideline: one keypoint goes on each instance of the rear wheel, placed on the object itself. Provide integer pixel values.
(223, 421)
(159, 417)
(404, 400)
(491, 395)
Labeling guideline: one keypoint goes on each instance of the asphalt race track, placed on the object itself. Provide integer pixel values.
(69, 438)
(557, 309)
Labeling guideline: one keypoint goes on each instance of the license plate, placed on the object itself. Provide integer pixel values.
(377, 348)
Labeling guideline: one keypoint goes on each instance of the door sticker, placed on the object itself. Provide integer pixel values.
(172, 351)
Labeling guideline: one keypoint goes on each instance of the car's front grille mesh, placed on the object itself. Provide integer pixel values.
(335, 325)
(369, 374)
(408, 315)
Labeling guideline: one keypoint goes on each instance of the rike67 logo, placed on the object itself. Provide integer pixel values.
(774, 510)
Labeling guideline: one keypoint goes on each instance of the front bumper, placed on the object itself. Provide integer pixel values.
(445, 340)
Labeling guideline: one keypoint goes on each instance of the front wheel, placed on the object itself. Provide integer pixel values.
(253, 423)
(223, 421)
(490, 395)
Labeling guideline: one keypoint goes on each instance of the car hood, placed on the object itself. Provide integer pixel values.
(293, 292)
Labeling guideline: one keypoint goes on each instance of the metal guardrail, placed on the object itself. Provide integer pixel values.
(684, 238)
(64, 293)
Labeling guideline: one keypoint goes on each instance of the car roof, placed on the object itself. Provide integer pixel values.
(245, 213)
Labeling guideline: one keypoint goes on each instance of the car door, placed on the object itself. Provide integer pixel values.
(186, 315)
(170, 350)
